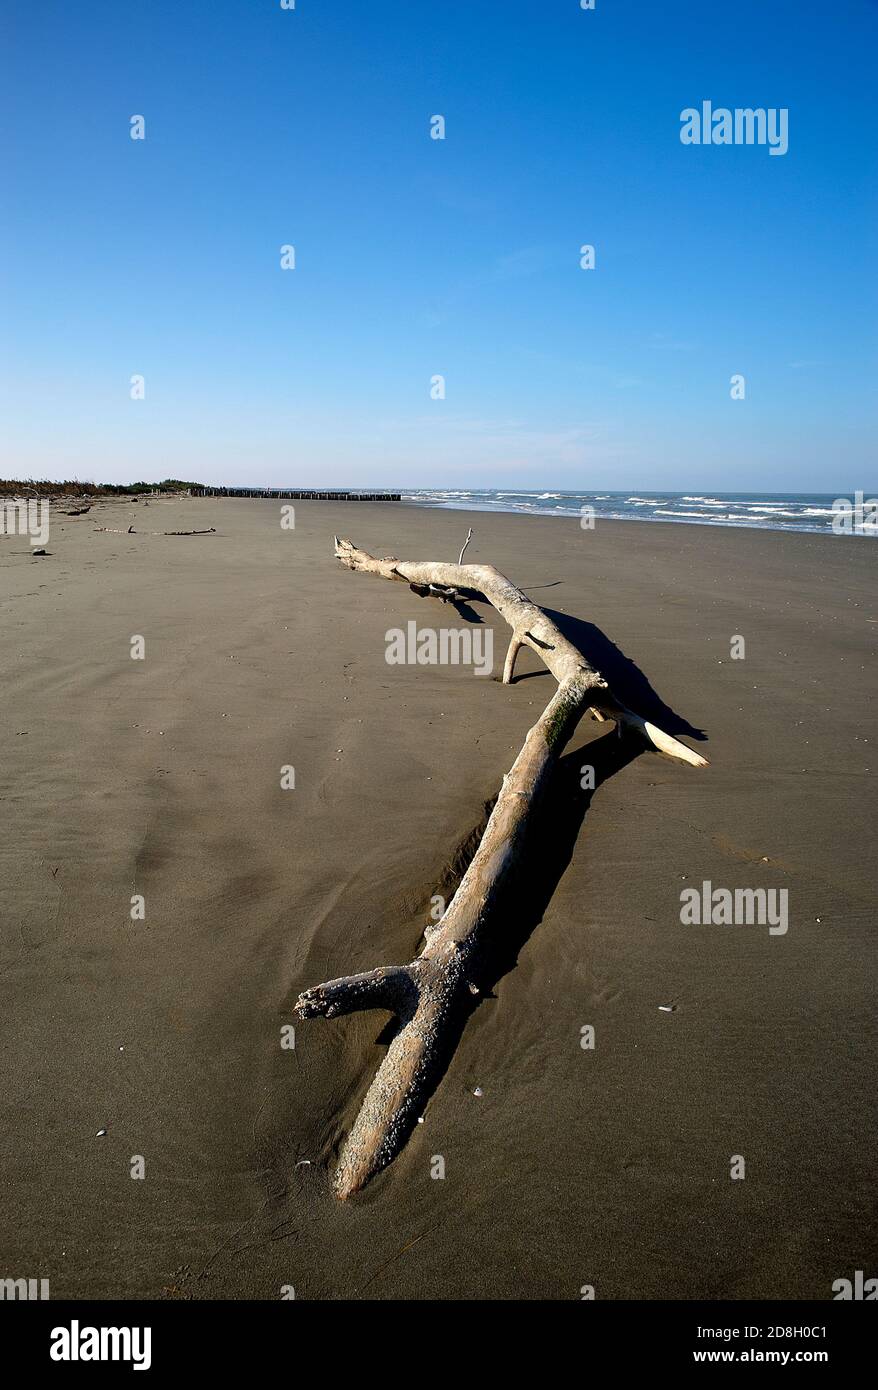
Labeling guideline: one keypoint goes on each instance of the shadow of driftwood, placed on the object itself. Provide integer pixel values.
(550, 842)
(465, 610)
(625, 678)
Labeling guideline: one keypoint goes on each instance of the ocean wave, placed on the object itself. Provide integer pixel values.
(699, 515)
(779, 513)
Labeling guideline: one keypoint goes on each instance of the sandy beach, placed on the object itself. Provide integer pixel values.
(160, 779)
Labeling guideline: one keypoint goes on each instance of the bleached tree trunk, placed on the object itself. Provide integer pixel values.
(430, 994)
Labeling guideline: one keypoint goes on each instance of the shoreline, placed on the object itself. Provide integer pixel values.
(638, 520)
(693, 519)
(761, 521)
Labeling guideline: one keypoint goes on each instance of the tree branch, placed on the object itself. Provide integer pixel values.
(432, 994)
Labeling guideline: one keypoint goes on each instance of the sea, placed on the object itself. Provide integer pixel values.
(763, 511)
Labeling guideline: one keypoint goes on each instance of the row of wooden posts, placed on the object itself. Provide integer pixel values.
(295, 494)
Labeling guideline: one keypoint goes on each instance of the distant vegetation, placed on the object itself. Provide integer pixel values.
(31, 487)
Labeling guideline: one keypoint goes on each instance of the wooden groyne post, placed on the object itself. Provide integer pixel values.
(296, 494)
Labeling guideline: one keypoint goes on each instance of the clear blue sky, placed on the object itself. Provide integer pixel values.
(458, 257)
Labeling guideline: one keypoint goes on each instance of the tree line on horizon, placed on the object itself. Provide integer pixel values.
(74, 488)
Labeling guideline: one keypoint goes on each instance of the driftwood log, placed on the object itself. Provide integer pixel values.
(211, 530)
(429, 994)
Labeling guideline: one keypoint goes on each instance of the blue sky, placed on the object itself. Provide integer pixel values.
(417, 257)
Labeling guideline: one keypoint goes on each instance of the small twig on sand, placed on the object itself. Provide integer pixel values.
(469, 536)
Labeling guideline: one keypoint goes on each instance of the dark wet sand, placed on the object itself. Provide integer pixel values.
(162, 778)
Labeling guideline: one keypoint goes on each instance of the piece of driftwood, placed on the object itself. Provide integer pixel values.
(211, 531)
(429, 994)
